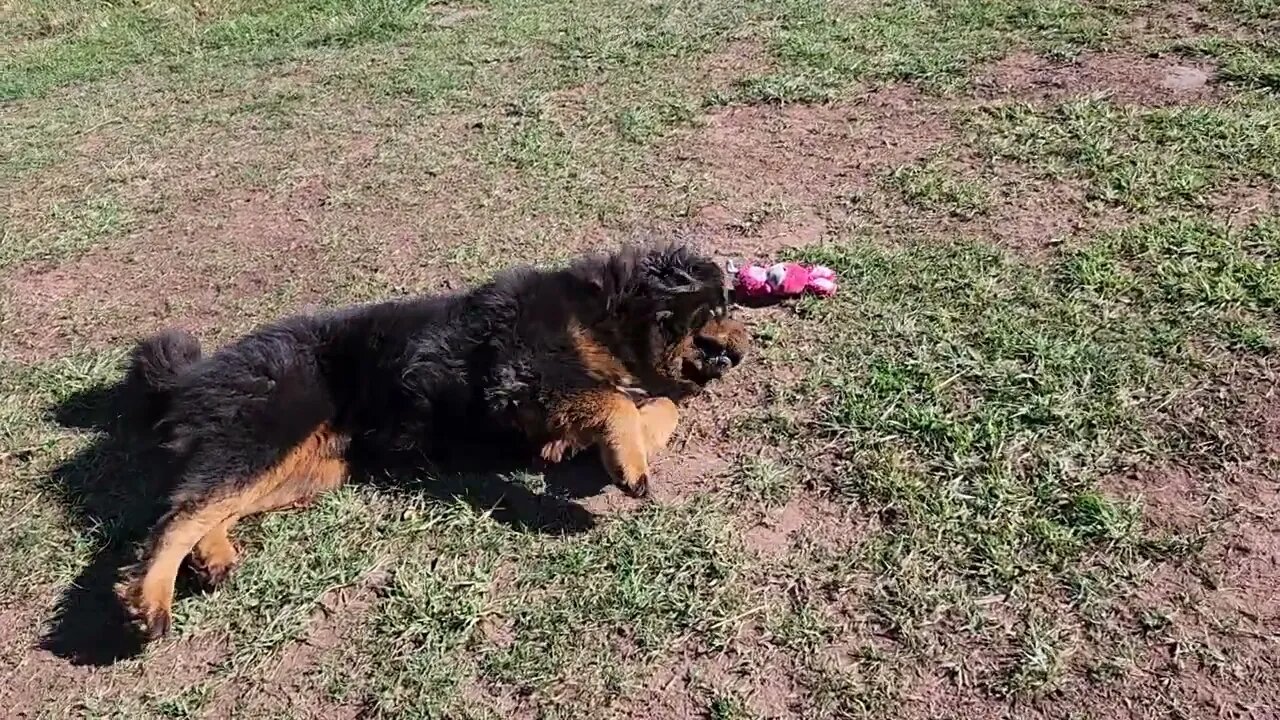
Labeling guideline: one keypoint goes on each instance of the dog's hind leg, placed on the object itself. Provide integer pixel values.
(202, 527)
(147, 591)
(312, 468)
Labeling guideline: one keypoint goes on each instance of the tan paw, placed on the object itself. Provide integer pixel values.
(213, 573)
(638, 488)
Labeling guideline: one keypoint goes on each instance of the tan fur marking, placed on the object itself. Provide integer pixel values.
(658, 420)
(607, 418)
(729, 332)
(673, 363)
(307, 470)
(622, 445)
(599, 361)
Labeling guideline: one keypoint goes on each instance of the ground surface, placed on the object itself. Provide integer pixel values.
(1025, 464)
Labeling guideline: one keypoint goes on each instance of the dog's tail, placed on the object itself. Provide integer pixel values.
(154, 368)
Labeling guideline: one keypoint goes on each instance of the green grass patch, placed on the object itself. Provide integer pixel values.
(932, 186)
(974, 402)
(764, 481)
(70, 229)
(625, 593)
(823, 47)
(1244, 63)
(171, 36)
(1142, 159)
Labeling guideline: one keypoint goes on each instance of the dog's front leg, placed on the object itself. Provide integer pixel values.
(610, 419)
(659, 418)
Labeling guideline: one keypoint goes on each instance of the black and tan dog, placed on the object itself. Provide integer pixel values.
(596, 354)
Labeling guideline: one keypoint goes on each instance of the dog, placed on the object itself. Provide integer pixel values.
(596, 354)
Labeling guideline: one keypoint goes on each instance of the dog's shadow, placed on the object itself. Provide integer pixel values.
(118, 485)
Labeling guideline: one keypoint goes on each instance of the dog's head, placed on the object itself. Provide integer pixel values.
(668, 308)
(694, 338)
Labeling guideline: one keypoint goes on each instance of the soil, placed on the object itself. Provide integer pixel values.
(31, 679)
(773, 177)
(288, 686)
(805, 520)
(194, 270)
(1215, 651)
(1123, 78)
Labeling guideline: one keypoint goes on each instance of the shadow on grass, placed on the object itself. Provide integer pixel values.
(119, 484)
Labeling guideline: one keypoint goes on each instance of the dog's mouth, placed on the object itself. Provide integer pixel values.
(710, 360)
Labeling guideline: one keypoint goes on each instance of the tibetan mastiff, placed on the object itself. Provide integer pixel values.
(595, 354)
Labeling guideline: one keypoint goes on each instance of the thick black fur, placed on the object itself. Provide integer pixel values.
(417, 377)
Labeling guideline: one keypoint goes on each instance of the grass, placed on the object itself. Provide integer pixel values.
(86, 223)
(67, 46)
(1249, 64)
(976, 402)
(1141, 159)
(1240, 38)
(968, 418)
(930, 186)
(766, 482)
(824, 47)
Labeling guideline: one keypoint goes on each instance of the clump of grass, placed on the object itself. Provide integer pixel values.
(1188, 274)
(1143, 159)
(623, 593)
(430, 611)
(1043, 651)
(729, 706)
(931, 186)
(71, 229)
(765, 481)
(646, 122)
(1248, 64)
(820, 48)
(90, 45)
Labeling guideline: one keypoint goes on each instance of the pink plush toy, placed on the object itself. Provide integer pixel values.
(784, 280)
